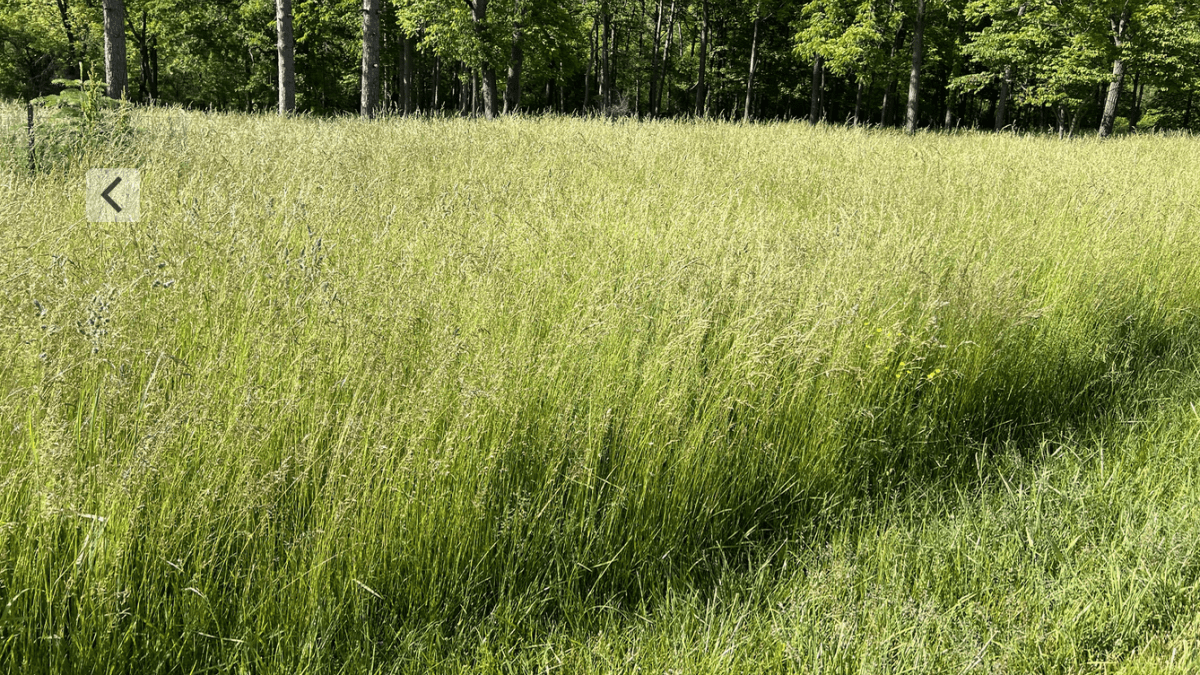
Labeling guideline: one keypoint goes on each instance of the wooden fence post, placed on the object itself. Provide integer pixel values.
(29, 129)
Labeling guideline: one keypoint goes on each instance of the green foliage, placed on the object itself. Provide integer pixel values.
(849, 36)
(1148, 122)
(447, 27)
(1052, 51)
(76, 121)
(221, 54)
(32, 48)
(328, 54)
(82, 100)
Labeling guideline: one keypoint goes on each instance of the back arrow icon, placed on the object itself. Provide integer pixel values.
(108, 199)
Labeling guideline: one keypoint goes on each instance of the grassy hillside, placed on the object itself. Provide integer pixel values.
(578, 396)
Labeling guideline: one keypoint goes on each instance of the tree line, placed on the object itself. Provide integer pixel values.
(1053, 65)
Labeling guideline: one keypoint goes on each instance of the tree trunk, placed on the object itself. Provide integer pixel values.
(656, 42)
(1110, 101)
(147, 69)
(1118, 77)
(1138, 86)
(389, 91)
(676, 39)
(858, 97)
(1002, 99)
(407, 91)
(587, 73)
(814, 108)
(641, 50)
(114, 48)
(1187, 113)
(369, 102)
(750, 77)
(140, 37)
(602, 72)
(248, 67)
(287, 53)
(889, 91)
(464, 79)
(456, 87)
(1006, 87)
(153, 40)
(614, 52)
(470, 91)
(664, 61)
(952, 98)
(475, 104)
(605, 61)
(437, 81)
(829, 103)
(516, 60)
(701, 89)
(489, 92)
(486, 71)
(911, 118)
(64, 14)
(673, 30)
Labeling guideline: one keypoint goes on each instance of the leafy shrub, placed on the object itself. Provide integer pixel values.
(1149, 122)
(77, 121)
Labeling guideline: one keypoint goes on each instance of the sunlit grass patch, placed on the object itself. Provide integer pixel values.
(437, 392)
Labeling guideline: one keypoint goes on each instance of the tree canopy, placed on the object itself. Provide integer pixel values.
(1028, 64)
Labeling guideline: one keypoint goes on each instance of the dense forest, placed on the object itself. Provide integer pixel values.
(1064, 66)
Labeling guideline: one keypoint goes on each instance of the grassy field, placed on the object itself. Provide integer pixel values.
(560, 395)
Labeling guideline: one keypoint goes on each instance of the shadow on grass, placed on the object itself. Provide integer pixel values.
(546, 572)
(1020, 403)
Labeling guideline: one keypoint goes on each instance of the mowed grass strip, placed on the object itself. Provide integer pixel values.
(437, 394)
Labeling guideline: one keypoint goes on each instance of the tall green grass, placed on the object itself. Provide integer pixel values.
(376, 396)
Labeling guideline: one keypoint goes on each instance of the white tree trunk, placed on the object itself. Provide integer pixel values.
(1118, 77)
(750, 75)
(914, 77)
(287, 56)
(370, 60)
